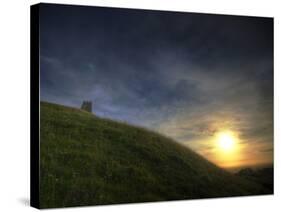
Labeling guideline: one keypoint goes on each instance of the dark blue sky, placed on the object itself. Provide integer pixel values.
(186, 75)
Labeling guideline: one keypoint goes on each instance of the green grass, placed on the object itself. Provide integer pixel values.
(87, 160)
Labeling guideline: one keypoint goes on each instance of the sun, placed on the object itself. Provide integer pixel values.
(226, 141)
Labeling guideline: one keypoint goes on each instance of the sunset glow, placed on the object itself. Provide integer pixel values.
(226, 141)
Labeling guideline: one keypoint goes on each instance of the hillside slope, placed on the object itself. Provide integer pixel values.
(86, 160)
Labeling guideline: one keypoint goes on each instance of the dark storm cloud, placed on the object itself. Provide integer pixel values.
(176, 72)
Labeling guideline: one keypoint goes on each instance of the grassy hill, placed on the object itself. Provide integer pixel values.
(87, 160)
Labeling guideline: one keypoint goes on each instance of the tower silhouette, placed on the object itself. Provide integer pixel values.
(87, 106)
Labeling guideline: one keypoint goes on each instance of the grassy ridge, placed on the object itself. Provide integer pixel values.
(86, 160)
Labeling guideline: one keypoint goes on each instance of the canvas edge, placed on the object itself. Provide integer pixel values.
(34, 107)
(175, 11)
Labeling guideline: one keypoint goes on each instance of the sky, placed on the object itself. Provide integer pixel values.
(189, 76)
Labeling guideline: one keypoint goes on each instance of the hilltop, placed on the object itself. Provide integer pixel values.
(87, 160)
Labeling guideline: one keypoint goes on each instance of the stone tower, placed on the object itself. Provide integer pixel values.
(87, 106)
